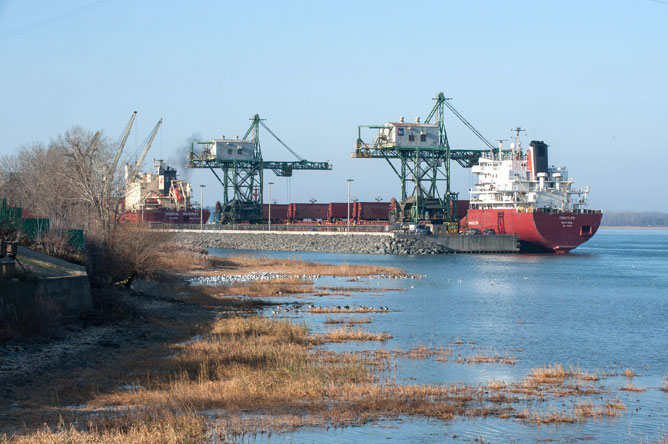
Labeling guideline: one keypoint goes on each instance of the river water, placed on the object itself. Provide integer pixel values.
(603, 307)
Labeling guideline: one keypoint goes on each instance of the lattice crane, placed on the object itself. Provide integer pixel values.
(242, 166)
(424, 156)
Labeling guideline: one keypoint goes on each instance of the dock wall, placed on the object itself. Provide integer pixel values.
(355, 243)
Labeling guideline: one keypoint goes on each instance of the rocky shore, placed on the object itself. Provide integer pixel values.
(354, 243)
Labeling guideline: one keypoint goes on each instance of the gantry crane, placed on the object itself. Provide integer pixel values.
(424, 156)
(242, 167)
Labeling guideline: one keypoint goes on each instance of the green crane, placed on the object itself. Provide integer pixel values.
(423, 163)
(242, 166)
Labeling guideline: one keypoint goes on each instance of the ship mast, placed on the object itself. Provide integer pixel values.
(518, 144)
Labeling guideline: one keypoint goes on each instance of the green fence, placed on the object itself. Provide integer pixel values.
(35, 228)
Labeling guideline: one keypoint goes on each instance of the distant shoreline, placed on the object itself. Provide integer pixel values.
(610, 227)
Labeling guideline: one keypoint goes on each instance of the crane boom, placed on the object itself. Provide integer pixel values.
(124, 139)
(469, 126)
(135, 171)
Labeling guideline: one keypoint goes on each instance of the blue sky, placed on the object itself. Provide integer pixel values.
(589, 78)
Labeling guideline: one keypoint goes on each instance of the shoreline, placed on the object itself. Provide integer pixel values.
(624, 227)
(189, 350)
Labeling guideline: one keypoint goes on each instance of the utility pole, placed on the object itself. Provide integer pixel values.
(348, 219)
(270, 184)
(201, 206)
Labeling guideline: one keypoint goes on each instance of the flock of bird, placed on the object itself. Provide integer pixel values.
(338, 308)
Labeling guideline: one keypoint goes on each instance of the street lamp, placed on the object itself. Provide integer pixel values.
(270, 184)
(201, 206)
(348, 219)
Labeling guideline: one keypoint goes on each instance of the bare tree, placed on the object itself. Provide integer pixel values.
(72, 181)
(88, 174)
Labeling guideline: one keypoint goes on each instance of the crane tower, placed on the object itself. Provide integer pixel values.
(242, 166)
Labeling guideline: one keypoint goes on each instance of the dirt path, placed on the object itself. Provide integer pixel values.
(124, 340)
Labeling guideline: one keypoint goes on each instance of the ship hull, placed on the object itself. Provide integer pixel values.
(164, 216)
(538, 231)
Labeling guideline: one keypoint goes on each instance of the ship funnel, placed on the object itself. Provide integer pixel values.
(557, 180)
(539, 156)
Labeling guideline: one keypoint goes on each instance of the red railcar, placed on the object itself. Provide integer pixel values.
(339, 211)
(279, 212)
(371, 211)
(307, 211)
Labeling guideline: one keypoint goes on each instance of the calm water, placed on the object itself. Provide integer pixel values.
(602, 307)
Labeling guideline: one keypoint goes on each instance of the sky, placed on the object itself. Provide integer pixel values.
(587, 77)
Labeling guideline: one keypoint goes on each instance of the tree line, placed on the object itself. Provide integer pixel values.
(71, 180)
(635, 219)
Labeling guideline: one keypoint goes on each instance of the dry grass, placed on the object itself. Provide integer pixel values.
(155, 428)
(237, 263)
(356, 334)
(486, 359)
(632, 388)
(557, 374)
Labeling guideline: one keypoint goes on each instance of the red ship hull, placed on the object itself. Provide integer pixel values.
(557, 232)
(164, 216)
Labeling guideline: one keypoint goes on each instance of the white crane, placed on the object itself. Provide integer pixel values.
(121, 145)
(137, 168)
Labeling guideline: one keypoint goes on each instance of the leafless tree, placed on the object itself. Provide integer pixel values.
(72, 181)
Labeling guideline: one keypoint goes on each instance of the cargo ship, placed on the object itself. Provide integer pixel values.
(518, 193)
(160, 198)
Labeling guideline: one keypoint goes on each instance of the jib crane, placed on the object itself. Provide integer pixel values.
(423, 162)
(131, 174)
(242, 167)
(121, 145)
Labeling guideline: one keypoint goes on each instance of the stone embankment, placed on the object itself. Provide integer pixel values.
(356, 243)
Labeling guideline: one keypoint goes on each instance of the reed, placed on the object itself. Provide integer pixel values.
(356, 334)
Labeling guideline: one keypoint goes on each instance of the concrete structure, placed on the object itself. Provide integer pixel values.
(476, 243)
(349, 242)
(51, 291)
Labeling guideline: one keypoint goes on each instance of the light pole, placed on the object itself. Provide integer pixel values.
(201, 206)
(348, 219)
(269, 218)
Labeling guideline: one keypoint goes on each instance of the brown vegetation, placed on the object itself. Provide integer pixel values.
(558, 373)
(357, 334)
(242, 263)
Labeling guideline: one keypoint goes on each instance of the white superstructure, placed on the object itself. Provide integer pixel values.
(156, 190)
(513, 179)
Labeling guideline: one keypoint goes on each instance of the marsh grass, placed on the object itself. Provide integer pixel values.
(239, 262)
(353, 334)
(556, 374)
(631, 388)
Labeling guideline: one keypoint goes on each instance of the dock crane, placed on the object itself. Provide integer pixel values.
(242, 167)
(134, 172)
(424, 156)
